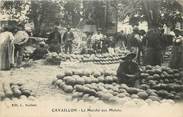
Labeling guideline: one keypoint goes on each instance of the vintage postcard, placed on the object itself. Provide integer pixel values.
(91, 58)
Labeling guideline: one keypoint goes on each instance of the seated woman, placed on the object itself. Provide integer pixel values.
(40, 52)
(128, 70)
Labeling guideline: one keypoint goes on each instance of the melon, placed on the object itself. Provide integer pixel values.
(156, 76)
(106, 96)
(87, 72)
(124, 86)
(150, 77)
(132, 90)
(17, 92)
(23, 97)
(78, 72)
(61, 84)
(115, 79)
(54, 81)
(144, 86)
(122, 91)
(26, 92)
(7, 90)
(85, 97)
(134, 96)
(148, 67)
(108, 79)
(70, 80)
(68, 72)
(142, 95)
(80, 80)
(96, 74)
(79, 88)
(101, 78)
(114, 100)
(114, 93)
(154, 98)
(121, 95)
(68, 88)
(61, 75)
(163, 93)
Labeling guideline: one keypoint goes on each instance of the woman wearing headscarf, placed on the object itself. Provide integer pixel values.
(6, 49)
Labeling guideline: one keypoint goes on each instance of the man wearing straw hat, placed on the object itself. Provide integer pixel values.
(54, 40)
(128, 70)
(21, 38)
(68, 40)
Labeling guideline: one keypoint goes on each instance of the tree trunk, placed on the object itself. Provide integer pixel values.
(152, 13)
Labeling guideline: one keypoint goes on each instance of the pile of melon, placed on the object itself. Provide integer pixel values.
(54, 58)
(15, 91)
(101, 85)
(103, 58)
(166, 82)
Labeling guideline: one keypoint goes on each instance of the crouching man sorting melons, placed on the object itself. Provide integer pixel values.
(128, 71)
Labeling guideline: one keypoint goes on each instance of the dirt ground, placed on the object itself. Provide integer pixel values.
(39, 77)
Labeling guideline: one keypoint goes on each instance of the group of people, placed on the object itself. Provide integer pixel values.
(12, 42)
(152, 46)
(98, 42)
(55, 41)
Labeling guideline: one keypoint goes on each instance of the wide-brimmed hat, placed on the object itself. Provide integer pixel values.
(129, 56)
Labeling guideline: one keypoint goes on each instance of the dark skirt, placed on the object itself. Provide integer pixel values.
(153, 56)
(177, 57)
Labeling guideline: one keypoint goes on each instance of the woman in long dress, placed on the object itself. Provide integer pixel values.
(6, 50)
(177, 52)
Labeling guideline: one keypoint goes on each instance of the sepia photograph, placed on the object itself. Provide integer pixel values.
(91, 58)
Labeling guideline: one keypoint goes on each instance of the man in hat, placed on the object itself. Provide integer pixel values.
(128, 70)
(54, 41)
(21, 38)
(68, 40)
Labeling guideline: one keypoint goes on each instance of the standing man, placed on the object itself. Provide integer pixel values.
(54, 41)
(140, 46)
(128, 70)
(21, 38)
(121, 39)
(68, 40)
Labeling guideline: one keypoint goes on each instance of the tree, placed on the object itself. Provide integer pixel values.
(157, 13)
(15, 9)
(72, 12)
(43, 14)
